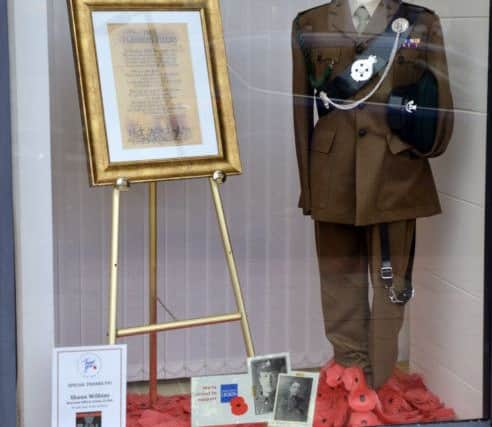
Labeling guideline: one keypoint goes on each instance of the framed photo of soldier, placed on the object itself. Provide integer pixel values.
(296, 399)
(154, 89)
(264, 372)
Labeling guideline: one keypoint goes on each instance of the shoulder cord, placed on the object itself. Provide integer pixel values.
(327, 101)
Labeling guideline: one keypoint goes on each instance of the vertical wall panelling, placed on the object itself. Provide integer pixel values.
(447, 314)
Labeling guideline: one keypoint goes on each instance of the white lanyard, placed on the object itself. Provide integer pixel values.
(399, 26)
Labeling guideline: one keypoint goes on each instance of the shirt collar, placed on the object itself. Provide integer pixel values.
(371, 6)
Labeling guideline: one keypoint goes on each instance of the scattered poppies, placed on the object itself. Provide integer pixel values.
(343, 400)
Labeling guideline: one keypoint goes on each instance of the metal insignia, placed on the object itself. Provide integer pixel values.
(363, 69)
(411, 107)
(400, 25)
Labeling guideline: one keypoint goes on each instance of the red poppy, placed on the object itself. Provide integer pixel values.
(353, 377)
(408, 381)
(363, 419)
(423, 400)
(363, 399)
(332, 409)
(393, 401)
(333, 373)
(239, 406)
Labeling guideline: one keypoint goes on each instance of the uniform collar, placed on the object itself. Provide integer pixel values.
(371, 6)
(341, 19)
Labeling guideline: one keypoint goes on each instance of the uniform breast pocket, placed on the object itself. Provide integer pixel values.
(409, 64)
(409, 54)
(325, 61)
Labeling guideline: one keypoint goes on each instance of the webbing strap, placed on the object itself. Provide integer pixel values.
(407, 293)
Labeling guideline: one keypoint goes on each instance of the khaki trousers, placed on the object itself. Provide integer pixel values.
(362, 335)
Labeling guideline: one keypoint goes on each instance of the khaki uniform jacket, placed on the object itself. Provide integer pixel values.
(353, 169)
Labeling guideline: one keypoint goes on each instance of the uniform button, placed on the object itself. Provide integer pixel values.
(362, 132)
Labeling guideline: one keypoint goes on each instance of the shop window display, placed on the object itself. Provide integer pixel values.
(375, 113)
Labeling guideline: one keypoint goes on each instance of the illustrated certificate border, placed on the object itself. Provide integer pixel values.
(56, 379)
(209, 146)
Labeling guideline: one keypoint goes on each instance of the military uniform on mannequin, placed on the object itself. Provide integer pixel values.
(364, 166)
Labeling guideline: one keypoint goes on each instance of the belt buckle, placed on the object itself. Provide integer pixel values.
(395, 299)
(393, 296)
(387, 272)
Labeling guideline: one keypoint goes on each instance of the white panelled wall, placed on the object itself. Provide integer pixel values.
(274, 244)
(446, 318)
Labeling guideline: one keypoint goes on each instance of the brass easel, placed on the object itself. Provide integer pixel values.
(152, 328)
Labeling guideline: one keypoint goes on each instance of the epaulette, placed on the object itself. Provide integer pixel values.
(419, 8)
(304, 12)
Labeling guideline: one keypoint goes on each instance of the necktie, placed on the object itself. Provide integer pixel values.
(363, 18)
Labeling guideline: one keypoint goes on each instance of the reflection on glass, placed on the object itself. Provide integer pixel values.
(394, 185)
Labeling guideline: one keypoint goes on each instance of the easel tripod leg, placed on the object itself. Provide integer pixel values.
(153, 291)
(113, 290)
(248, 341)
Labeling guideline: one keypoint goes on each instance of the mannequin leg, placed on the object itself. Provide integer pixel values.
(386, 317)
(342, 258)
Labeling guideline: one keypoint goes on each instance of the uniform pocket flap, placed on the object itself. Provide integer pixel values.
(323, 140)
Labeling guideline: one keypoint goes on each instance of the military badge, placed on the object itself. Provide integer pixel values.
(363, 69)
(412, 43)
(411, 107)
(400, 25)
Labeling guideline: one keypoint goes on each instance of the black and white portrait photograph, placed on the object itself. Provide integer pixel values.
(264, 372)
(89, 419)
(295, 399)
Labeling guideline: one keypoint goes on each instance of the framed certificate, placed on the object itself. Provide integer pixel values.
(154, 89)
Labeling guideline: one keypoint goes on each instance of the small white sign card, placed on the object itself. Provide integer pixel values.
(222, 400)
(89, 386)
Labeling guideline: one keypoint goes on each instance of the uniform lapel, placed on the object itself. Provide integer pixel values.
(340, 19)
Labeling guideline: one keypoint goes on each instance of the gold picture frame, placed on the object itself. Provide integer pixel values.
(154, 89)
